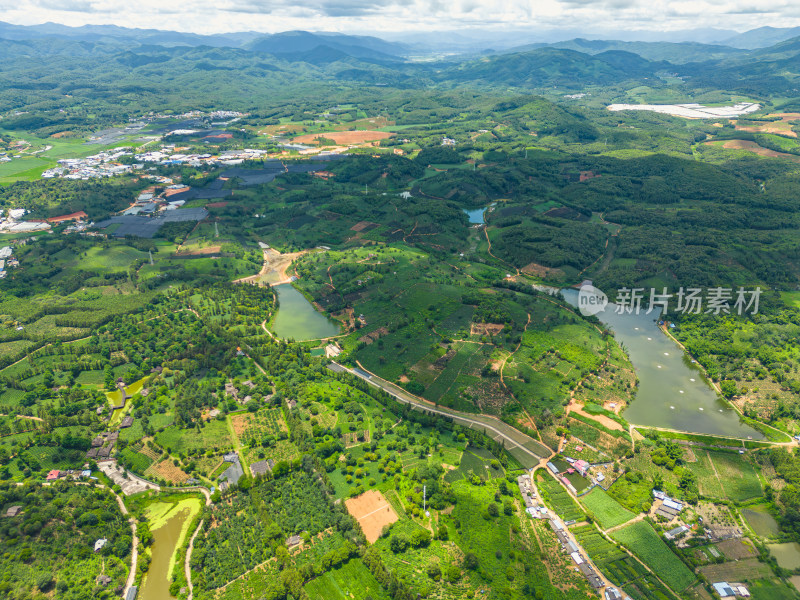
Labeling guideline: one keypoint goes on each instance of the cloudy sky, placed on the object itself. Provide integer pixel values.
(216, 16)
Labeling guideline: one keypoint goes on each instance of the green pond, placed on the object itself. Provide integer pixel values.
(673, 392)
(165, 541)
(787, 555)
(578, 481)
(297, 318)
(115, 397)
(761, 521)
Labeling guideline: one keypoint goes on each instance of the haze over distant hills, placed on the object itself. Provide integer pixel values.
(34, 54)
(762, 37)
(396, 43)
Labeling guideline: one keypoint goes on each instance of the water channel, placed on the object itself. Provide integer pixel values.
(673, 392)
(298, 319)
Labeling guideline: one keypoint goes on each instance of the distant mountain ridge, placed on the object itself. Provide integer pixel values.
(674, 52)
(763, 37)
(569, 65)
(303, 42)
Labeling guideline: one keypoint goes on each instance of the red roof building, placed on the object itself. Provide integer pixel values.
(53, 474)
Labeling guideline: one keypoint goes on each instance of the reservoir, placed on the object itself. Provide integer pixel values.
(297, 318)
(673, 392)
(475, 216)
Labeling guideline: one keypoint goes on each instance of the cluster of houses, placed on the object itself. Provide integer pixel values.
(569, 546)
(147, 202)
(240, 395)
(576, 466)
(96, 166)
(108, 163)
(731, 590)
(7, 260)
(55, 474)
(666, 507)
(532, 506)
(11, 222)
(171, 154)
(677, 532)
(103, 445)
(217, 117)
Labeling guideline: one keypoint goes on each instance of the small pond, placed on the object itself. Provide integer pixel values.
(578, 481)
(787, 555)
(475, 216)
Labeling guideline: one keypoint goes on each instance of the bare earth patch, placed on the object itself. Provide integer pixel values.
(540, 270)
(372, 511)
(275, 269)
(344, 137)
(781, 127)
(362, 225)
(736, 549)
(756, 149)
(240, 423)
(486, 328)
(166, 470)
(200, 251)
(602, 419)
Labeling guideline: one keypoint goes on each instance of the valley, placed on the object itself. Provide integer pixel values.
(297, 316)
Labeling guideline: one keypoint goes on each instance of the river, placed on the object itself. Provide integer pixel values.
(298, 319)
(673, 392)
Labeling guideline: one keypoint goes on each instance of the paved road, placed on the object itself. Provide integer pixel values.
(522, 447)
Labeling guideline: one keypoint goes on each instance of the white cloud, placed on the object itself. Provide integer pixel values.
(204, 16)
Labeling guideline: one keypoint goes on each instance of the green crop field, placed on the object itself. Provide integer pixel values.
(726, 475)
(213, 434)
(708, 482)
(608, 512)
(616, 564)
(558, 498)
(641, 539)
(137, 462)
(739, 478)
(352, 581)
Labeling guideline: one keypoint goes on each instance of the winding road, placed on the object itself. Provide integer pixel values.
(525, 449)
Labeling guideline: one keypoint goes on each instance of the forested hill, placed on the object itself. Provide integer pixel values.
(149, 76)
